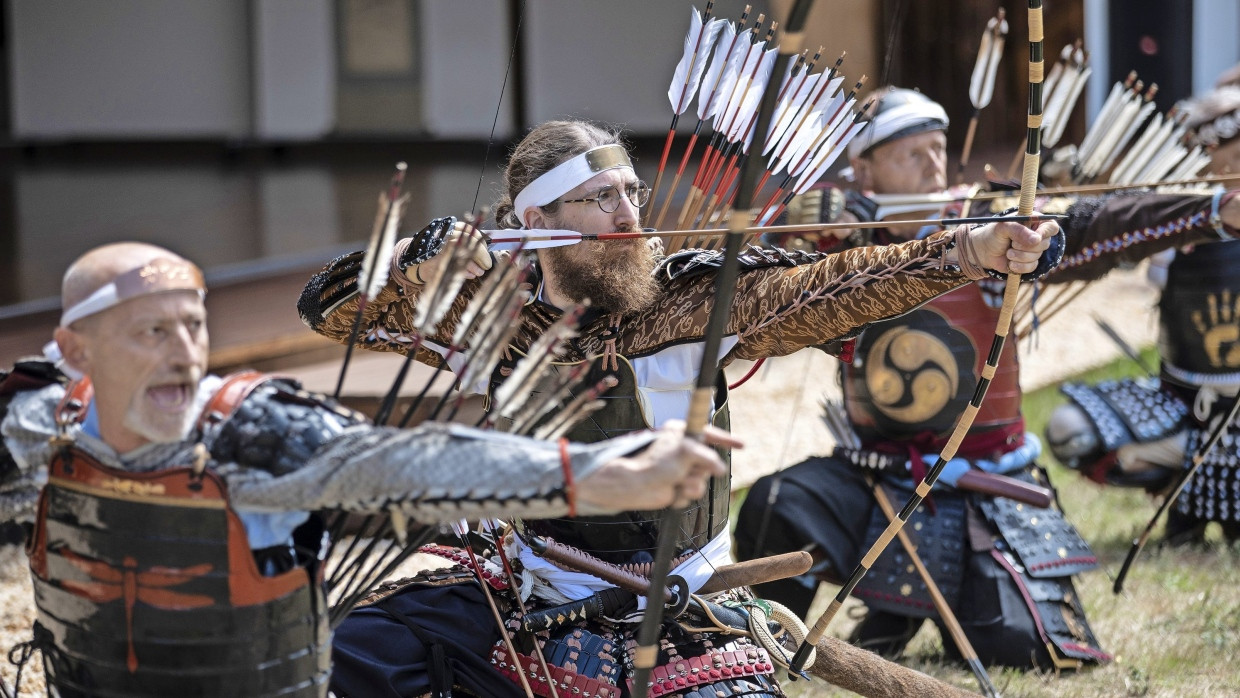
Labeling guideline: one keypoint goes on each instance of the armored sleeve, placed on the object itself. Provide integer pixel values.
(329, 302)
(27, 428)
(433, 473)
(1106, 232)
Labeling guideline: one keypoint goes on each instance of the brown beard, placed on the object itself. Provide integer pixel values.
(615, 277)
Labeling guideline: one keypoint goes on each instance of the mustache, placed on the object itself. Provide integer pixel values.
(192, 376)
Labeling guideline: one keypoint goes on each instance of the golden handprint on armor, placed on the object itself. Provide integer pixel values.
(1220, 329)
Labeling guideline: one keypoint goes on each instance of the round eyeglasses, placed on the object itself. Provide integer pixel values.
(638, 194)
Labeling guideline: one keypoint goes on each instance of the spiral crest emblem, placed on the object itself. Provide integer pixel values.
(913, 376)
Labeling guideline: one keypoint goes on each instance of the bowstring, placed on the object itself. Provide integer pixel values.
(503, 88)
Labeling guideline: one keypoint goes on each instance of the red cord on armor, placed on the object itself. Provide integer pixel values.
(752, 370)
(570, 490)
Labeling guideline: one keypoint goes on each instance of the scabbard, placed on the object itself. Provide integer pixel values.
(974, 480)
(581, 561)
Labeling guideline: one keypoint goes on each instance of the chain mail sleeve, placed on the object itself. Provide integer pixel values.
(433, 473)
(27, 428)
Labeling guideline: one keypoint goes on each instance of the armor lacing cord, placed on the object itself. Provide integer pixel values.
(611, 361)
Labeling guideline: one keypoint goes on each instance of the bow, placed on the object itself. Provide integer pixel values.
(1199, 456)
(1028, 187)
(646, 653)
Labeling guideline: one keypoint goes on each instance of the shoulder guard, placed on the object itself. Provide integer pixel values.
(1120, 412)
(688, 264)
(26, 374)
(270, 423)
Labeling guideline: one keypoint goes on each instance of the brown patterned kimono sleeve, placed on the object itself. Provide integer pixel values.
(779, 310)
(329, 302)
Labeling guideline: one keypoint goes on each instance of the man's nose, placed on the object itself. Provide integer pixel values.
(188, 350)
(626, 213)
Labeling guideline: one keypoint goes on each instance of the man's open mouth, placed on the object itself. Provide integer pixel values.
(173, 397)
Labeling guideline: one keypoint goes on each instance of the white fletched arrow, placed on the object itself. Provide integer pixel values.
(724, 71)
(1106, 114)
(829, 154)
(688, 75)
(530, 238)
(790, 100)
(789, 110)
(816, 129)
(743, 129)
(377, 261)
(728, 113)
(982, 82)
(1065, 94)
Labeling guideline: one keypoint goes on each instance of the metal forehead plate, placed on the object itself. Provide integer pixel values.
(606, 158)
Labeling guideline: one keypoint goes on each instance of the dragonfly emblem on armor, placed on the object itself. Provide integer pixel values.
(127, 581)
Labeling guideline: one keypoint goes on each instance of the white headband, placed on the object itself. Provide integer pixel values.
(567, 175)
(156, 276)
(890, 123)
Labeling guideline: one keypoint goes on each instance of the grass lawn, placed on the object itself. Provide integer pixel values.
(1174, 630)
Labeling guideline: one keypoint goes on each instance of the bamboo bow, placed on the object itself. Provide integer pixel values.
(1027, 191)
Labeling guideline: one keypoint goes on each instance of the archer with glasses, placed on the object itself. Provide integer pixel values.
(645, 326)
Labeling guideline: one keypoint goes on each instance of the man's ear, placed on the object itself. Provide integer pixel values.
(534, 218)
(73, 349)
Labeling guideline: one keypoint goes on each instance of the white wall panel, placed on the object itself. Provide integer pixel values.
(129, 68)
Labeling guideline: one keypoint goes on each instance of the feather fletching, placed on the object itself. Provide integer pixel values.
(377, 261)
(688, 74)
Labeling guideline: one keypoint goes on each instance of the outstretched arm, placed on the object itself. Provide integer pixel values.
(440, 472)
(1105, 232)
(781, 310)
(329, 302)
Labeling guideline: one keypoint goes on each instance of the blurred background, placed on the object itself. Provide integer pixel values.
(253, 136)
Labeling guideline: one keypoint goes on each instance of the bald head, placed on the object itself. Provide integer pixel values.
(109, 275)
(102, 265)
